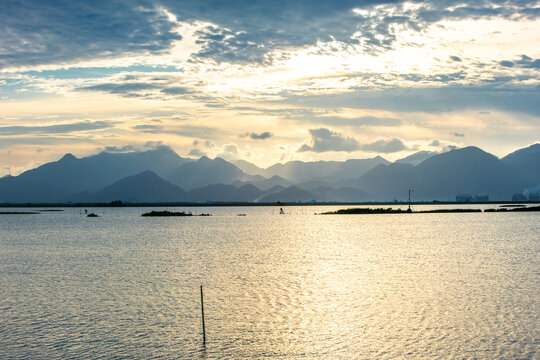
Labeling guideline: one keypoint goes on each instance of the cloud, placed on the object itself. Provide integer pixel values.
(230, 152)
(56, 129)
(324, 116)
(374, 121)
(458, 134)
(326, 140)
(431, 100)
(385, 146)
(262, 136)
(435, 143)
(121, 149)
(231, 148)
(455, 58)
(57, 31)
(120, 88)
(152, 129)
(362, 121)
(524, 62)
(196, 152)
(507, 63)
(177, 90)
(251, 33)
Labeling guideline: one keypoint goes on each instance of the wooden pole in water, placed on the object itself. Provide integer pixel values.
(202, 312)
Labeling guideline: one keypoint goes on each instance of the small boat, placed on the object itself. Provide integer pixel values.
(92, 215)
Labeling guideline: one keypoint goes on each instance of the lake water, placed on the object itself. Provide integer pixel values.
(293, 286)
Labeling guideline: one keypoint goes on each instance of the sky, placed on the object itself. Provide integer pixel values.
(266, 81)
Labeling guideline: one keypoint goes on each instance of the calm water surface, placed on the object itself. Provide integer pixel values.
(294, 286)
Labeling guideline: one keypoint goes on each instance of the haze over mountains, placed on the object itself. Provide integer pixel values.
(161, 175)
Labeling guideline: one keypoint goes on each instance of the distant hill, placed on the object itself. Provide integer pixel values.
(290, 194)
(343, 194)
(266, 184)
(247, 167)
(57, 180)
(205, 171)
(140, 188)
(224, 193)
(416, 158)
(161, 175)
(329, 171)
(441, 177)
(386, 182)
(526, 161)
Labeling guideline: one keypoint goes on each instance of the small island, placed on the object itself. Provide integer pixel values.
(171, 213)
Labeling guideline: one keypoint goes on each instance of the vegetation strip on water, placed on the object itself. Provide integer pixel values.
(171, 213)
(515, 209)
(444, 211)
(18, 212)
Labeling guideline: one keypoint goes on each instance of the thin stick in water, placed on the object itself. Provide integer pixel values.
(202, 312)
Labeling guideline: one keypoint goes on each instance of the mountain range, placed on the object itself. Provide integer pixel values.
(161, 175)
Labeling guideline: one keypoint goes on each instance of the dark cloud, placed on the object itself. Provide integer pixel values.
(385, 146)
(507, 63)
(456, 134)
(524, 62)
(326, 140)
(435, 143)
(527, 62)
(455, 58)
(58, 31)
(177, 90)
(61, 31)
(55, 129)
(320, 116)
(120, 88)
(248, 31)
(255, 136)
(431, 100)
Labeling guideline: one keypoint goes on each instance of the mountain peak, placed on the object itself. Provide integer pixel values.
(68, 157)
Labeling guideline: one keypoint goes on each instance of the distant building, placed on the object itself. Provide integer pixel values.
(519, 197)
(481, 198)
(534, 197)
(464, 198)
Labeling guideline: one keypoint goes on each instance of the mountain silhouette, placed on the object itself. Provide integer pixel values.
(205, 172)
(526, 161)
(161, 175)
(224, 193)
(441, 177)
(57, 180)
(141, 188)
(416, 158)
(328, 171)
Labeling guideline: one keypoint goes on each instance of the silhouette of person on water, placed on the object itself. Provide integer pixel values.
(281, 211)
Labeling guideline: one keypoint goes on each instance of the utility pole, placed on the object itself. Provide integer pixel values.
(409, 209)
